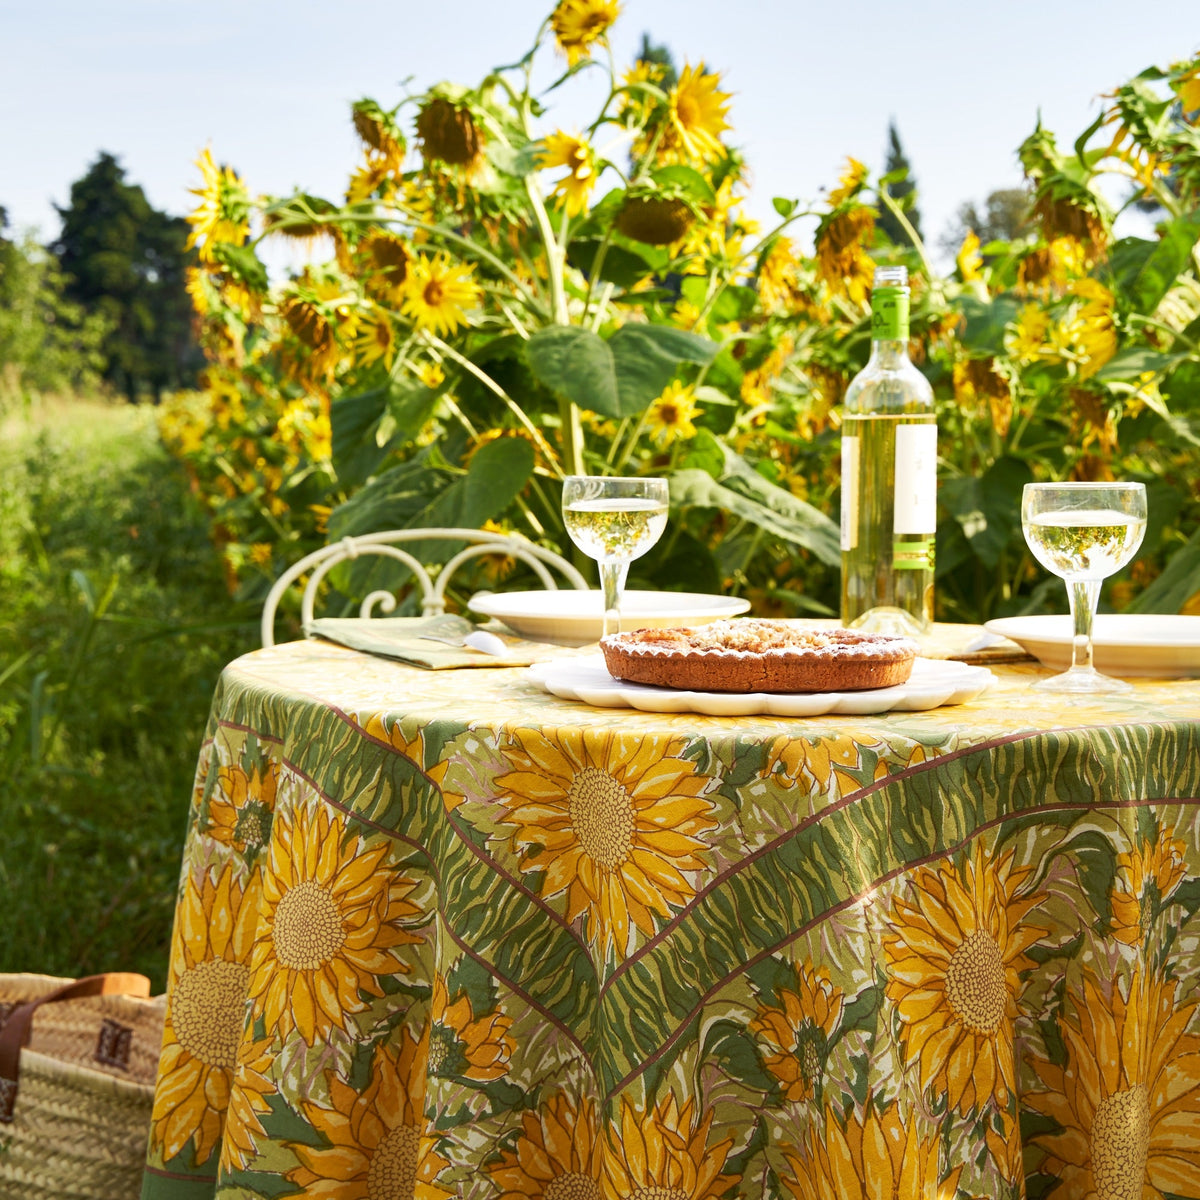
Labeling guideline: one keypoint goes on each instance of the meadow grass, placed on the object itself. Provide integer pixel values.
(114, 624)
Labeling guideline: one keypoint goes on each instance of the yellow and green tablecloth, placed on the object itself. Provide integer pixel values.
(440, 934)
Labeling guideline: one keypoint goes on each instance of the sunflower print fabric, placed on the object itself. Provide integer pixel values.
(440, 937)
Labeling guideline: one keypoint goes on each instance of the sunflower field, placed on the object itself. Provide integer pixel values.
(505, 302)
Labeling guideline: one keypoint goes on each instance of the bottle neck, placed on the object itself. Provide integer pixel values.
(889, 352)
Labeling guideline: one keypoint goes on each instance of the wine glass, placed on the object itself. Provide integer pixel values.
(1083, 532)
(614, 521)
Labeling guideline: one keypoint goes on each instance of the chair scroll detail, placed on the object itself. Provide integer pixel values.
(433, 593)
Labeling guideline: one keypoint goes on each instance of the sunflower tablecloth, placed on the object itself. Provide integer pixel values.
(440, 934)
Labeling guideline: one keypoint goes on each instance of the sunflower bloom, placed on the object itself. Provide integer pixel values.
(852, 180)
(378, 1140)
(375, 340)
(1098, 334)
(1127, 1101)
(224, 209)
(464, 1046)
(953, 960)
(613, 820)
(1145, 875)
(670, 416)
(437, 294)
(330, 927)
(968, 260)
(878, 1156)
(205, 1013)
(566, 150)
(777, 278)
(843, 263)
(1025, 338)
(695, 117)
(242, 804)
(556, 1154)
(795, 1037)
(664, 1152)
(247, 1104)
(580, 24)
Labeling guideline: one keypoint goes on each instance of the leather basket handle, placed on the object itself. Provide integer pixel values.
(14, 1035)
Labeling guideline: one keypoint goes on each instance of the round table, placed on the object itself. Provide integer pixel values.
(440, 934)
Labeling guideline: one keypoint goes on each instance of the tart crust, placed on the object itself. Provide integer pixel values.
(751, 655)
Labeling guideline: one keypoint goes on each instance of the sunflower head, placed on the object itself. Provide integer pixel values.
(695, 117)
(375, 341)
(379, 132)
(448, 132)
(386, 258)
(437, 293)
(654, 217)
(842, 259)
(302, 218)
(574, 153)
(580, 24)
(223, 214)
(670, 416)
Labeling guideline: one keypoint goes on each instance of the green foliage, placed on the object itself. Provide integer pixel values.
(47, 343)
(110, 645)
(485, 285)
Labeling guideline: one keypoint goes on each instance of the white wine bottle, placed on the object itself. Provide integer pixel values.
(889, 477)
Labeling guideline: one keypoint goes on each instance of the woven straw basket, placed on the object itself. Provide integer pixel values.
(80, 1108)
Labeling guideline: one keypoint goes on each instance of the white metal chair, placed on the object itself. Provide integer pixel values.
(433, 594)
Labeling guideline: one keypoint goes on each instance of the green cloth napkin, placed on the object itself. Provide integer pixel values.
(401, 638)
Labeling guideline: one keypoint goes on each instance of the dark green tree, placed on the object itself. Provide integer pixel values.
(126, 261)
(660, 55)
(903, 190)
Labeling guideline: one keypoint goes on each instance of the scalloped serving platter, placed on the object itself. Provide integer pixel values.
(934, 682)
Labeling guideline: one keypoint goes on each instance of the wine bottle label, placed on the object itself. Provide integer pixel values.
(912, 556)
(850, 449)
(889, 314)
(916, 479)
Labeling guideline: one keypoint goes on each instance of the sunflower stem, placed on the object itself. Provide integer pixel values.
(489, 383)
(913, 236)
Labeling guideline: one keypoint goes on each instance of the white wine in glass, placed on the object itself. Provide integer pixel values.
(1083, 532)
(614, 521)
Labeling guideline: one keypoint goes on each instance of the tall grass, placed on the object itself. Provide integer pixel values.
(114, 624)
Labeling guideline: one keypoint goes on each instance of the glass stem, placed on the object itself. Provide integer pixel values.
(1084, 595)
(612, 577)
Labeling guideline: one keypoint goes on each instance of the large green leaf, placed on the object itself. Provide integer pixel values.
(988, 509)
(577, 364)
(1176, 585)
(244, 263)
(763, 504)
(1142, 271)
(354, 420)
(646, 357)
(617, 378)
(418, 496)
(985, 322)
(621, 265)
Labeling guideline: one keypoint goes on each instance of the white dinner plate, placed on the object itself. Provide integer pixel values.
(934, 682)
(1147, 645)
(576, 618)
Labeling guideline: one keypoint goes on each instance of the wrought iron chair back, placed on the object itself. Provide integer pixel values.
(433, 592)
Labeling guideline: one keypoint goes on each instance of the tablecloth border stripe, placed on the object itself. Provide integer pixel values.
(849, 901)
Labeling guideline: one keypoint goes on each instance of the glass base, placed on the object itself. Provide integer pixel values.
(895, 621)
(1082, 681)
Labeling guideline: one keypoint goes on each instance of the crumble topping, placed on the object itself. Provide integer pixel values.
(747, 635)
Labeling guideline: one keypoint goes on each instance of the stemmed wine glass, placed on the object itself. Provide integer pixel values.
(1083, 532)
(614, 521)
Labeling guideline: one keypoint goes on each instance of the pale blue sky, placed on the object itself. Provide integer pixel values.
(268, 85)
